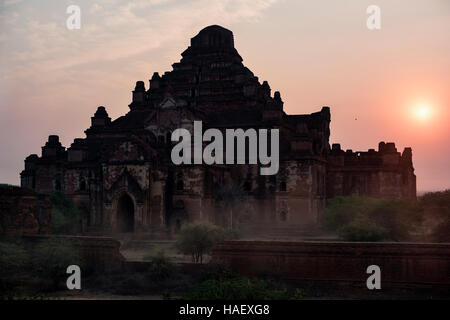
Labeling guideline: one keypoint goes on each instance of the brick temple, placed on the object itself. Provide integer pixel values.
(123, 180)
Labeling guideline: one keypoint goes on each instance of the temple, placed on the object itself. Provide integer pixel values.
(123, 180)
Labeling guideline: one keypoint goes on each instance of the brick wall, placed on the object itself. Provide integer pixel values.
(411, 263)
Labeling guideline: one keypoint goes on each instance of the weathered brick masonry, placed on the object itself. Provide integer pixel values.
(24, 212)
(122, 178)
(412, 263)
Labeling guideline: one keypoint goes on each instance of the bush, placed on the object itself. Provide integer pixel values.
(199, 239)
(368, 219)
(51, 258)
(13, 257)
(217, 270)
(341, 211)
(237, 289)
(362, 230)
(440, 199)
(14, 263)
(436, 206)
(442, 232)
(65, 217)
(161, 267)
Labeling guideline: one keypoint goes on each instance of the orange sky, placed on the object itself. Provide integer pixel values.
(316, 53)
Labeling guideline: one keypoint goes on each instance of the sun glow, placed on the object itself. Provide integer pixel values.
(423, 112)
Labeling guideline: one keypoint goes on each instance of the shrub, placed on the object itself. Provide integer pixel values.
(442, 232)
(218, 270)
(13, 257)
(362, 230)
(199, 239)
(341, 211)
(367, 219)
(298, 294)
(51, 257)
(399, 218)
(436, 206)
(65, 217)
(161, 267)
(14, 262)
(439, 199)
(237, 289)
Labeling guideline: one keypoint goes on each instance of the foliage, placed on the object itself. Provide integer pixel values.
(218, 270)
(65, 216)
(298, 294)
(166, 295)
(238, 289)
(341, 211)
(439, 199)
(51, 257)
(161, 267)
(362, 229)
(438, 204)
(13, 257)
(368, 219)
(46, 261)
(198, 239)
(442, 232)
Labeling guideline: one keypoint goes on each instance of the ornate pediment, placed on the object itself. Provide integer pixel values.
(125, 182)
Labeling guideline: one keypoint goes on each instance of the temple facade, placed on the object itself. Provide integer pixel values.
(123, 180)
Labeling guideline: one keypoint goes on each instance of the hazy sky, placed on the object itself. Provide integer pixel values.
(315, 52)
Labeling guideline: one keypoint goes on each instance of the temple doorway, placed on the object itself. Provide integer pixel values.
(125, 214)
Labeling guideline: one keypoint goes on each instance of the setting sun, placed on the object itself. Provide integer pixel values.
(423, 112)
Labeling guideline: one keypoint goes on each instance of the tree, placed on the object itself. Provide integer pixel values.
(65, 216)
(436, 206)
(51, 257)
(367, 219)
(199, 239)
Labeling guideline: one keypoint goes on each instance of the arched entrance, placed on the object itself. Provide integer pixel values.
(125, 214)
